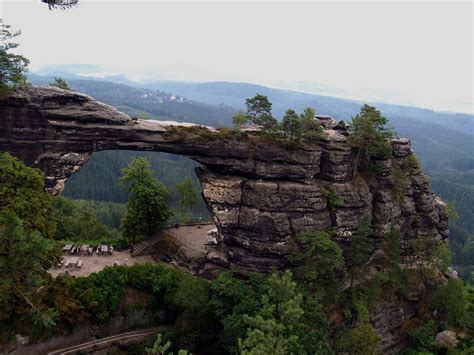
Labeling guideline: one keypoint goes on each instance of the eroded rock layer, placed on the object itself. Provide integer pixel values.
(261, 194)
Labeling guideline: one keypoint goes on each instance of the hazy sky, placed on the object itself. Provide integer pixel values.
(418, 53)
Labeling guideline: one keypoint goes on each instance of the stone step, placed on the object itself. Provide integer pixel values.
(143, 245)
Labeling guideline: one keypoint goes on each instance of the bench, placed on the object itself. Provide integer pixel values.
(79, 264)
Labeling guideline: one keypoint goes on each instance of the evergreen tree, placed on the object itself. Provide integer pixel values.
(318, 262)
(361, 248)
(292, 126)
(60, 83)
(12, 66)
(259, 112)
(312, 129)
(22, 193)
(258, 106)
(273, 329)
(148, 203)
(240, 119)
(369, 135)
(24, 258)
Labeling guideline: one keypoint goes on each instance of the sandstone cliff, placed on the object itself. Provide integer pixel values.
(260, 194)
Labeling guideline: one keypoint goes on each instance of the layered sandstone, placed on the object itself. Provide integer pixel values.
(261, 194)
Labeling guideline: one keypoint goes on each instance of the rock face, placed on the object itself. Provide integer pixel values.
(261, 194)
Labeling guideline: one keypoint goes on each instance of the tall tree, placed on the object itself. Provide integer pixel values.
(24, 258)
(318, 263)
(312, 129)
(12, 66)
(360, 250)
(369, 134)
(292, 126)
(272, 329)
(258, 106)
(188, 197)
(148, 201)
(22, 192)
(259, 112)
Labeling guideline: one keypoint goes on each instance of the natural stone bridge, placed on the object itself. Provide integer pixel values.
(260, 193)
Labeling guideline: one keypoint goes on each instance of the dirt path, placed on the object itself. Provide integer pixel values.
(192, 237)
(95, 263)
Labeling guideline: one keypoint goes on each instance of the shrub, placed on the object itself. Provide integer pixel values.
(334, 200)
(411, 163)
(360, 340)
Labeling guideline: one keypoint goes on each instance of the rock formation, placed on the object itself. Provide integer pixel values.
(260, 194)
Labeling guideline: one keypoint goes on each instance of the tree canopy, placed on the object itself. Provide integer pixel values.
(12, 66)
(22, 193)
(369, 134)
(148, 207)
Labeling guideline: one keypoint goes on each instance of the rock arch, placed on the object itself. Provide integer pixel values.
(259, 193)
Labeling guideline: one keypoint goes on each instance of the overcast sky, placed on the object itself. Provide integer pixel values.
(409, 53)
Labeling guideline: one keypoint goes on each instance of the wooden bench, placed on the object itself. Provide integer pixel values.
(79, 264)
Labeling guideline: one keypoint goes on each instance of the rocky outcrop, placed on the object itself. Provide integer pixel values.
(261, 194)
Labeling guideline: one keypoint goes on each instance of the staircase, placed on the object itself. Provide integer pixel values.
(143, 246)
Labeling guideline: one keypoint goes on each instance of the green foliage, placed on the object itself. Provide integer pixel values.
(272, 329)
(423, 337)
(391, 248)
(369, 135)
(450, 211)
(22, 193)
(292, 126)
(400, 181)
(334, 200)
(312, 129)
(411, 163)
(148, 205)
(60, 83)
(77, 221)
(431, 255)
(316, 265)
(240, 119)
(188, 197)
(360, 250)
(12, 66)
(100, 293)
(360, 340)
(451, 303)
(258, 107)
(24, 258)
(231, 300)
(158, 348)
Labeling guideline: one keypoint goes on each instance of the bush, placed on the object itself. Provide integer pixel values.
(423, 337)
(360, 340)
(411, 163)
(334, 200)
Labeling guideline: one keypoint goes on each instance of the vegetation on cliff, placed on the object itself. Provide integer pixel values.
(313, 309)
